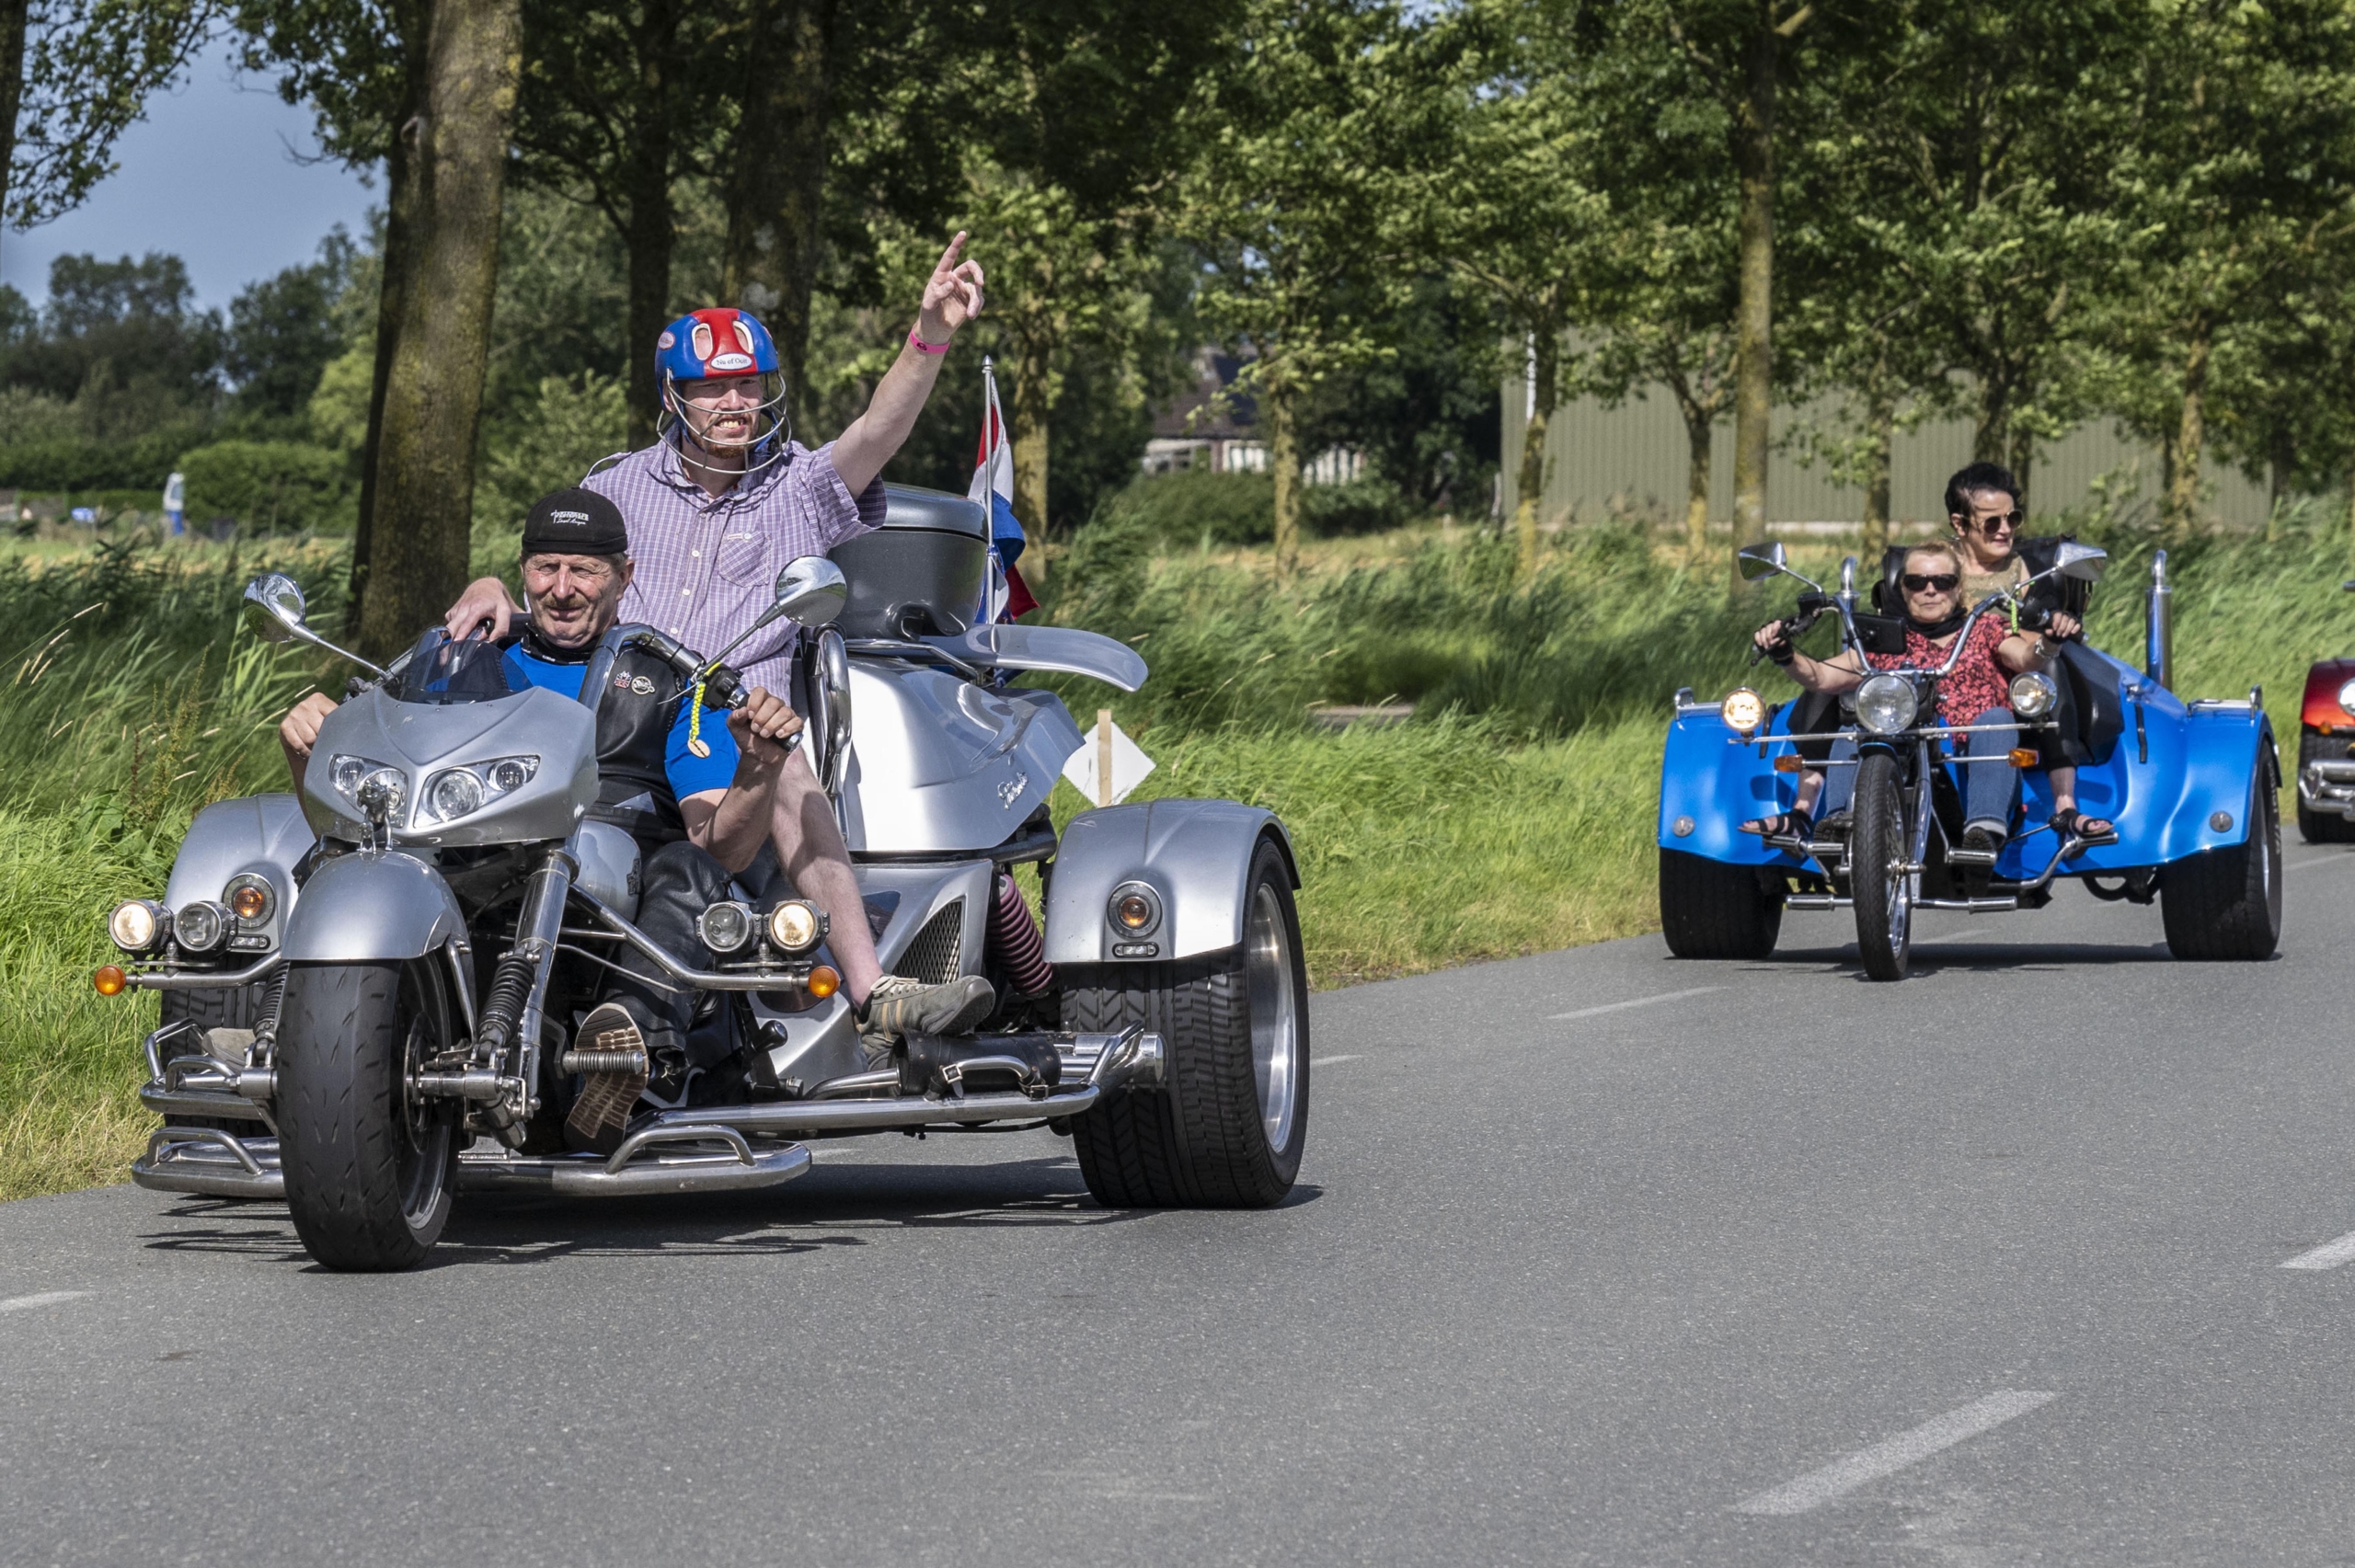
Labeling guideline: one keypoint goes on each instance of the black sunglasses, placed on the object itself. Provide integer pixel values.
(1944, 582)
(2010, 519)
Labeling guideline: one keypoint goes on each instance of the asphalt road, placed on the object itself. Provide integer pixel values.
(1597, 1257)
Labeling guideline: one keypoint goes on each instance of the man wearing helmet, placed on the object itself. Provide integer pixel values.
(714, 508)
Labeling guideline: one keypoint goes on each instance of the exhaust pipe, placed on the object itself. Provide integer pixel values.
(2158, 643)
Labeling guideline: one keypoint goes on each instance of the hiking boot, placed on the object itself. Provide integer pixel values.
(612, 1057)
(899, 1007)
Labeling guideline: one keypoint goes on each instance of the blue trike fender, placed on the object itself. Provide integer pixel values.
(1709, 785)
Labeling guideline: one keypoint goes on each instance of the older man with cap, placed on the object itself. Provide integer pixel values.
(714, 508)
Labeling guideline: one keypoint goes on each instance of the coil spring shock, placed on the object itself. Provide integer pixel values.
(509, 986)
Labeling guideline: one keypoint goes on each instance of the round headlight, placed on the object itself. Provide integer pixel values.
(1885, 703)
(2033, 694)
(344, 774)
(456, 793)
(1135, 909)
(1743, 710)
(512, 772)
(136, 926)
(725, 928)
(2347, 697)
(249, 898)
(200, 927)
(794, 926)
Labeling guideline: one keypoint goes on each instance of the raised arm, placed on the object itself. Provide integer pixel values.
(951, 298)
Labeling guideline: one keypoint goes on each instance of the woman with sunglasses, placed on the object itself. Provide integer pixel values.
(1983, 508)
(1976, 692)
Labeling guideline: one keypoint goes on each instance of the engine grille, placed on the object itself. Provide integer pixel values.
(932, 956)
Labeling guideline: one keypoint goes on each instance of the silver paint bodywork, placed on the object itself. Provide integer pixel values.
(423, 739)
(1195, 853)
(1061, 649)
(261, 833)
(368, 908)
(938, 764)
(609, 865)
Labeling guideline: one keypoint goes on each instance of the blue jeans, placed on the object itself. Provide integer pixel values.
(1988, 789)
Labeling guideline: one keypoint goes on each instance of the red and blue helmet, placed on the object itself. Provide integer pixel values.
(718, 344)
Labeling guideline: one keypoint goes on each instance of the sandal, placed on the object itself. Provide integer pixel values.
(2069, 823)
(1792, 827)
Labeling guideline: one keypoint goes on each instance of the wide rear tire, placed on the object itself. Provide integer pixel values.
(1227, 1127)
(237, 1008)
(2226, 904)
(369, 1173)
(2322, 827)
(1710, 909)
(1884, 897)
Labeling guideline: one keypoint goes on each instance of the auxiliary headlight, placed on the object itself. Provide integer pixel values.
(1743, 710)
(1885, 703)
(137, 925)
(795, 926)
(725, 928)
(2347, 697)
(2033, 694)
(201, 926)
(1134, 909)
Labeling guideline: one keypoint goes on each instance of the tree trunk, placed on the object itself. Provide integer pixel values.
(1285, 457)
(651, 234)
(2023, 460)
(425, 456)
(2183, 481)
(776, 188)
(1990, 437)
(2281, 462)
(1880, 416)
(403, 197)
(1033, 396)
(1753, 157)
(1546, 355)
(14, 15)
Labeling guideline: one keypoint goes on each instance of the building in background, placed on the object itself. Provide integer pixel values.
(1211, 426)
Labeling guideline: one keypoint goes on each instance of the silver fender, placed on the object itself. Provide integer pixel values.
(261, 833)
(1195, 853)
(363, 908)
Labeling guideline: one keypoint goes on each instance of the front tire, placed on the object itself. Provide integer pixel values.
(1710, 909)
(2322, 827)
(369, 1172)
(2224, 904)
(1227, 1127)
(1884, 897)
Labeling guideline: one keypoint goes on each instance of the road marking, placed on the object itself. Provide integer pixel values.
(1320, 1061)
(2330, 1254)
(2319, 860)
(1955, 935)
(1640, 1002)
(46, 1298)
(1843, 1476)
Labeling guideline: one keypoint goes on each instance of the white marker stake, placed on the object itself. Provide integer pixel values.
(1640, 1002)
(2330, 1254)
(1843, 1476)
(46, 1298)
(1103, 756)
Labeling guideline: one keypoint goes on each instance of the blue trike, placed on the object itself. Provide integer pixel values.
(2190, 786)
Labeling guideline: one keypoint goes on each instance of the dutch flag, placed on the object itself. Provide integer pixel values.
(1006, 596)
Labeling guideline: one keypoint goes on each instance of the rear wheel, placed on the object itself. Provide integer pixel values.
(237, 1008)
(1878, 846)
(1227, 1127)
(368, 1168)
(2322, 827)
(1710, 909)
(2226, 904)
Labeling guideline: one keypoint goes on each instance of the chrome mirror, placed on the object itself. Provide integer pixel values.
(1757, 561)
(2085, 563)
(811, 591)
(273, 609)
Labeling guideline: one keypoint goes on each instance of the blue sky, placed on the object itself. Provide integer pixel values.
(208, 176)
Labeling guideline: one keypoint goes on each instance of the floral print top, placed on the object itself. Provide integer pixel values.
(1978, 682)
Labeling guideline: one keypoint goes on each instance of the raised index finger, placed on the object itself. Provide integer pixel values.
(949, 256)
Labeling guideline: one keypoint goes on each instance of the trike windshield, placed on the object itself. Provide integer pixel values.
(437, 670)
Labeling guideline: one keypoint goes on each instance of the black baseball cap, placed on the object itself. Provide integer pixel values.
(574, 521)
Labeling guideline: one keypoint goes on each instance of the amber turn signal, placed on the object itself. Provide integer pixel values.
(2023, 757)
(110, 981)
(250, 901)
(824, 982)
(1789, 764)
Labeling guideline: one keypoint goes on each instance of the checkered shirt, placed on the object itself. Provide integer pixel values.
(708, 567)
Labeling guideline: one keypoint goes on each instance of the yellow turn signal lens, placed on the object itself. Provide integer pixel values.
(2023, 757)
(110, 981)
(824, 982)
(1791, 764)
(1743, 710)
(251, 902)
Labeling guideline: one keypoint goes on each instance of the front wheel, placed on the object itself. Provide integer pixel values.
(2225, 903)
(1227, 1127)
(1710, 909)
(369, 1168)
(1880, 847)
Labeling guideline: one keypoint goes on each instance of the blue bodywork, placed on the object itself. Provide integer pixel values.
(2174, 767)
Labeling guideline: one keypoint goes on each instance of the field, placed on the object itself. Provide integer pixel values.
(1511, 815)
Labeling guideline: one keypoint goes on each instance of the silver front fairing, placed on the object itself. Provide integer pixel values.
(941, 765)
(423, 739)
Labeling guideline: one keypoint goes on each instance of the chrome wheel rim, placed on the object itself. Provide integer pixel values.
(1275, 1015)
(1901, 911)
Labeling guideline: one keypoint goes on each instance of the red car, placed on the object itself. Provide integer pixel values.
(2327, 753)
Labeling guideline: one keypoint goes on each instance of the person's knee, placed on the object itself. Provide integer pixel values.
(686, 869)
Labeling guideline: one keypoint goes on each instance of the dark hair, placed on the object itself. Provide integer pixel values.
(1978, 477)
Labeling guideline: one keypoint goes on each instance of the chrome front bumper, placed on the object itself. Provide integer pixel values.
(2329, 788)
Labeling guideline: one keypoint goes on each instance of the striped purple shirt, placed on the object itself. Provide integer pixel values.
(708, 567)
